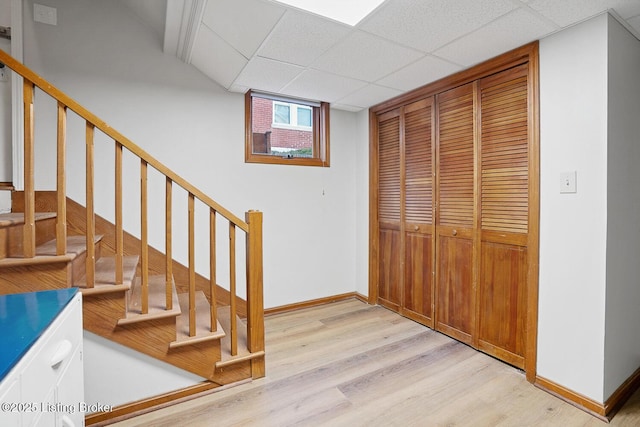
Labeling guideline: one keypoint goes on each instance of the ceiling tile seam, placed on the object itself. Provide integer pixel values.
(351, 30)
(315, 61)
(543, 18)
(481, 27)
(428, 55)
(255, 52)
(624, 22)
(385, 4)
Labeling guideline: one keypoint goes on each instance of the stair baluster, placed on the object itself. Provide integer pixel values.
(168, 245)
(119, 238)
(192, 267)
(29, 234)
(144, 237)
(212, 268)
(61, 182)
(232, 288)
(91, 220)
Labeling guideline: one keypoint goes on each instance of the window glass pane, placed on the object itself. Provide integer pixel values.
(285, 130)
(304, 116)
(281, 113)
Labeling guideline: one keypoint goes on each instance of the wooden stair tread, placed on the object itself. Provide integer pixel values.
(17, 218)
(75, 246)
(46, 252)
(203, 322)
(157, 301)
(224, 317)
(105, 276)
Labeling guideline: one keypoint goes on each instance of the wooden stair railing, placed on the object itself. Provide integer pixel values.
(251, 226)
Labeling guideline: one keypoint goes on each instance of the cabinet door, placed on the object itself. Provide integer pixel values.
(417, 298)
(455, 299)
(504, 153)
(389, 204)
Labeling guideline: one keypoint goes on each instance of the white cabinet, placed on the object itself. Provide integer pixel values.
(46, 386)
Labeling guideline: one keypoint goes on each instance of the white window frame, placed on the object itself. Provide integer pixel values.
(293, 116)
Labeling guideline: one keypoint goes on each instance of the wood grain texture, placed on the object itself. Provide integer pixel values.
(45, 201)
(349, 364)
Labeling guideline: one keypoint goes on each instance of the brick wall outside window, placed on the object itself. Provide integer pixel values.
(280, 138)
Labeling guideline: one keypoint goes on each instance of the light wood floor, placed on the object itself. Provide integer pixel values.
(350, 364)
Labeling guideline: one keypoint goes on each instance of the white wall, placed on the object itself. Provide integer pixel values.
(101, 56)
(362, 204)
(573, 137)
(622, 335)
(115, 375)
(6, 173)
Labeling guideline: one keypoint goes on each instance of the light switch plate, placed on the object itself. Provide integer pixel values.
(45, 14)
(568, 182)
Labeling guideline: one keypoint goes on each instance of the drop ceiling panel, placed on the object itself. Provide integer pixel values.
(321, 86)
(244, 24)
(215, 58)
(299, 38)
(635, 23)
(506, 33)
(421, 72)
(365, 57)
(369, 95)
(429, 24)
(267, 75)
(567, 12)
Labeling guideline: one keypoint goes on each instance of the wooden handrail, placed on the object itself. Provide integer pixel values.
(57, 94)
(252, 225)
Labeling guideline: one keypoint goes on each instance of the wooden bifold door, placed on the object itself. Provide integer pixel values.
(453, 205)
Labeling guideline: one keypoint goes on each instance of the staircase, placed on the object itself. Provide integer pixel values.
(134, 294)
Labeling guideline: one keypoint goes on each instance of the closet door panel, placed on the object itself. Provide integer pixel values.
(389, 205)
(453, 307)
(389, 271)
(504, 160)
(455, 312)
(502, 302)
(417, 300)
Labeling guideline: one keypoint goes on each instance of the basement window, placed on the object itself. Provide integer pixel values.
(283, 130)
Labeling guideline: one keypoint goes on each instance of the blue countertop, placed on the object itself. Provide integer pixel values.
(23, 318)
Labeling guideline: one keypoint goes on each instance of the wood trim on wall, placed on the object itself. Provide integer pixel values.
(315, 302)
(576, 399)
(604, 411)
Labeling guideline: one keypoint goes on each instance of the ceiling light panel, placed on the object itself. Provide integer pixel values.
(348, 12)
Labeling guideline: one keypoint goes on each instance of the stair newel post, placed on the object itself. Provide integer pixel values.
(232, 288)
(91, 223)
(29, 234)
(144, 238)
(192, 267)
(212, 268)
(255, 298)
(168, 244)
(61, 182)
(118, 221)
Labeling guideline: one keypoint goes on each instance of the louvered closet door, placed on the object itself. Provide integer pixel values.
(389, 204)
(455, 214)
(504, 178)
(417, 298)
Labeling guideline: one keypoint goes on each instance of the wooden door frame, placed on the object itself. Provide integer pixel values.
(526, 54)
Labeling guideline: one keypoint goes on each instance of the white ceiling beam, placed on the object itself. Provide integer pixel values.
(182, 24)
